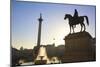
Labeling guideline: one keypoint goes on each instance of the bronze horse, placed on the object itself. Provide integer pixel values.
(73, 21)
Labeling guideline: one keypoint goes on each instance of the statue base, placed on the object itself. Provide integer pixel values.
(79, 47)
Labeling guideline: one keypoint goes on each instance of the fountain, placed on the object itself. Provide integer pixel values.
(42, 57)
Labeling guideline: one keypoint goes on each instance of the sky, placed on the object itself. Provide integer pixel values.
(24, 22)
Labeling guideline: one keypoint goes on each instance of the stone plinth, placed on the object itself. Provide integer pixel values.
(79, 47)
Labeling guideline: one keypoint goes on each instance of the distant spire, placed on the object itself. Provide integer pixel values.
(40, 19)
(40, 15)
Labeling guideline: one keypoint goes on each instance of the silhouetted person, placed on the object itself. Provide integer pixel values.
(75, 14)
(75, 17)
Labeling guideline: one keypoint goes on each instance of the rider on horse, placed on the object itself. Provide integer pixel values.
(75, 16)
(75, 20)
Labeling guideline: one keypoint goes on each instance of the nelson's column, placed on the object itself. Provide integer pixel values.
(39, 36)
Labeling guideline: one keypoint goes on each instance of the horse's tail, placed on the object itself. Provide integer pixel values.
(86, 19)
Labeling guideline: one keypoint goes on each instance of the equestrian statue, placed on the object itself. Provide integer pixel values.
(75, 19)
